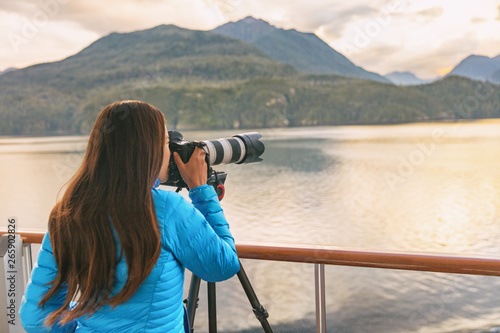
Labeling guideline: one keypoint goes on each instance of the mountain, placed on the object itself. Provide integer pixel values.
(304, 51)
(166, 50)
(66, 95)
(405, 79)
(478, 67)
(10, 69)
(205, 80)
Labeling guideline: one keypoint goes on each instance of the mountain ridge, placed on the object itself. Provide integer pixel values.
(405, 78)
(311, 54)
(478, 67)
(7, 70)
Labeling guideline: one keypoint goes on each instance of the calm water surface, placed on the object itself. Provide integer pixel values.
(420, 187)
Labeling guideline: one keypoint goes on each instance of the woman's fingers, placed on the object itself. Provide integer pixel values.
(194, 172)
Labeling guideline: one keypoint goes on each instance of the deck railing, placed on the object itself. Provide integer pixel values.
(317, 255)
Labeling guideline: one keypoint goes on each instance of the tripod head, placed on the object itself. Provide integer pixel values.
(217, 179)
(214, 178)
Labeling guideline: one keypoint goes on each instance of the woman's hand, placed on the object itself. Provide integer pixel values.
(194, 172)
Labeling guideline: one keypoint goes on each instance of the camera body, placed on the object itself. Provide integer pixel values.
(185, 149)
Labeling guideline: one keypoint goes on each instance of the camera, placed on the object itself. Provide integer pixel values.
(240, 149)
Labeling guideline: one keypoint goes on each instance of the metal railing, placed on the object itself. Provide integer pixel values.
(317, 255)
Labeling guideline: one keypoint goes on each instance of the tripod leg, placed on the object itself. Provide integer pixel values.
(258, 309)
(192, 300)
(212, 308)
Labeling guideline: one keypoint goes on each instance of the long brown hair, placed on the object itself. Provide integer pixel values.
(112, 189)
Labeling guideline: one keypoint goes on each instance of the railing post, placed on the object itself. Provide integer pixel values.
(319, 279)
(12, 282)
(27, 262)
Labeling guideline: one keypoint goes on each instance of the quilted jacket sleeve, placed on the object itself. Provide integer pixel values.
(198, 235)
(32, 316)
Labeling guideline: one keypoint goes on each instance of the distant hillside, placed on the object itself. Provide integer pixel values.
(202, 79)
(10, 69)
(478, 67)
(495, 77)
(405, 79)
(304, 51)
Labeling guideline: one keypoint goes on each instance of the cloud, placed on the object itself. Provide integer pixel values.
(465, 44)
(343, 18)
(115, 15)
(18, 6)
(433, 12)
(426, 15)
(305, 16)
(383, 57)
(360, 17)
(448, 53)
(380, 55)
(226, 7)
(478, 20)
(498, 16)
(103, 17)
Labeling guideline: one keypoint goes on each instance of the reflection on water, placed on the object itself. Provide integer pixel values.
(423, 187)
(299, 155)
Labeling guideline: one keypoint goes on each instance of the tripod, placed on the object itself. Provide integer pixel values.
(217, 181)
(192, 302)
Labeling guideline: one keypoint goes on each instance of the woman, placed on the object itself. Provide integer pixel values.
(114, 256)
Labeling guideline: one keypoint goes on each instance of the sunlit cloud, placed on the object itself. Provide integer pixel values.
(445, 70)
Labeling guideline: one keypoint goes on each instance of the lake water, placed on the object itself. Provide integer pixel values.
(420, 187)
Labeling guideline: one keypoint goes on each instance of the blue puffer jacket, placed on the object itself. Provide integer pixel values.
(195, 236)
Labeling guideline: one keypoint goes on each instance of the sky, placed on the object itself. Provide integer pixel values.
(426, 37)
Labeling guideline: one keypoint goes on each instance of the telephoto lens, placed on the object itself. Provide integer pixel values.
(241, 148)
